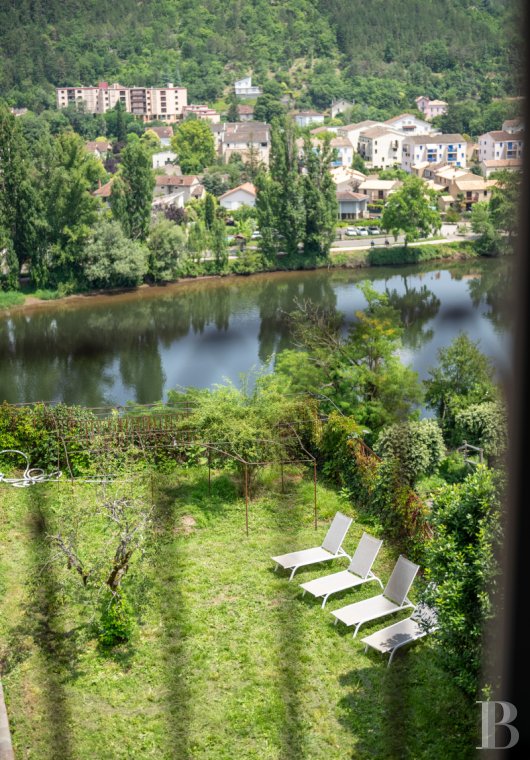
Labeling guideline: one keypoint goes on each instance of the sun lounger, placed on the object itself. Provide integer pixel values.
(330, 549)
(393, 598)
(393, 637)
(358, 572)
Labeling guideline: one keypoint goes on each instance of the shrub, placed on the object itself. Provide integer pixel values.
(483, 425)
(117, 620)
(417, 446)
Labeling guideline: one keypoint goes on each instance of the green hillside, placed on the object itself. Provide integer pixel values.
(378, 52)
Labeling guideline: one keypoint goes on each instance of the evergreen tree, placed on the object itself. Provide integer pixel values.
(121, 124)
(232, 114)
(284, 172)
(266, 210)
(219, 244)
(319, 199)
(209, 211)
(132, 190)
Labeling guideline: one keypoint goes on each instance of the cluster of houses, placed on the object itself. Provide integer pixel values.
(406, 141)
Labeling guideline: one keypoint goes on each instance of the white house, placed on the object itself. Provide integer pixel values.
(435, 149)
(378, 189)
(188, 184)
(500, 145)
(431, 108)
(306, 118)
(162, 158)
(512, 125)
(381, 146)
(340, 106)
(244, 195)
(344, 151)
(352, 131)
(500, 164)
(351, 205)
(410, 124)
(249, 139)
(244, 88)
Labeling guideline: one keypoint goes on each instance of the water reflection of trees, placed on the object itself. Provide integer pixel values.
(494, 286)
(416, 306)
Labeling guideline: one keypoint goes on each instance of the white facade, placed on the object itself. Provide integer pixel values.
(340, 106)
(500, 146)
(435, 149)
(244, 195)
(381, 147)
(202, 112)
(344, 151)
(410, 125)
(352, 131)
(244, 88)
(148, 103)
(162, 158)
(307, 118)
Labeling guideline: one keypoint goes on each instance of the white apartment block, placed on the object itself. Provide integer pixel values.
(352, 131)
(500, 146)
(410, 125)
(381, 147)
(435, 149)
(148, 103)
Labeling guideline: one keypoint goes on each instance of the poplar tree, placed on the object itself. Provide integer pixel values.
(132, 191)
(319, 198)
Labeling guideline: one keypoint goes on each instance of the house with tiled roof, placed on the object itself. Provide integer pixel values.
(243, 195)
(352, 131)
(188, 183)
(351, 205)
(245, 112)
(435, 149)
(431, 108)
(380, 146)
(164, 134)
(488, 166)
(244, 139)
(512, 125)
(410, 124)
(378, 189)
(500, 144)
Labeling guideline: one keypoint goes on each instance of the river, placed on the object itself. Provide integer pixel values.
(136, 346)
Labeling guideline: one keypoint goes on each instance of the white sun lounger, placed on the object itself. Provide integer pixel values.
(390, 639)
(331, 547)
(393, 598)
(358, 572)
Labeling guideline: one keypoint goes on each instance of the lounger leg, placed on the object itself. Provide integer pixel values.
(303, 594)
(380, 583)
(275, 567)
(295, 568)
(324, 603)
(357, 628)
(336, 621)
(391, 656)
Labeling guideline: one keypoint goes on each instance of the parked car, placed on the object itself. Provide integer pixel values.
(374, 230)
(351, 231)
(362, 231)
(256, 235)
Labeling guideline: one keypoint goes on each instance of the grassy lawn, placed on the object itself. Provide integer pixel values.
(227, 660)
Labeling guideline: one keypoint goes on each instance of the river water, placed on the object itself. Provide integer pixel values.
(136, 346)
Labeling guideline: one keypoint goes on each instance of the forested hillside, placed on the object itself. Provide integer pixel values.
(378, 53)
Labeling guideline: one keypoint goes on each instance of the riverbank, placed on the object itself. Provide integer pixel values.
(250, 262)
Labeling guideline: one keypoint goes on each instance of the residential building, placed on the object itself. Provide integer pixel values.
(173, 200)
(340, 106)
(18, 111)
(512, 125)
(307, 118)
(491, 165)
(378, 189)
(500, 145)
(410, 125)
(380, 146)
(99, 148)
(351, 205)
(162, 158)
(471, 190)
(244, 88)
(189, 184)
(435, 149)
(244, 195)
(352, 131)
(323, 130)
(104, 192)
(201, 112)
(347, 178)
(431, 108)
(250, 140)
(164, 134)
(147, 103)
(344, 151)
(246, 113)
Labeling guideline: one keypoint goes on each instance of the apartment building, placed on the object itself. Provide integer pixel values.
(202, 112)
(500, 145)
(435, 149)
(147, 103)
(410, 125)
(381, 147)
(431, 108)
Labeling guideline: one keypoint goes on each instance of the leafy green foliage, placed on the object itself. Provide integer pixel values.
(484, 425)
(132, 190)
(462, 570)
(418, 448)
(111, 260)
(167, 248)
(411, 209)
(117, 620)
(194, 145)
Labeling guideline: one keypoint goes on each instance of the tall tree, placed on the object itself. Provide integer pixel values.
(209, 210)
(412, 210)
(219, 244)
(19, 202)
(284, 172)
(132, 190)
(319, 198)
(194, 145)
(232, 115)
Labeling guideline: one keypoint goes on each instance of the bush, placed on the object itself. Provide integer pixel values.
(382, 257)
(483, 425)
(453, 468)
(417, 446)
(116, 622)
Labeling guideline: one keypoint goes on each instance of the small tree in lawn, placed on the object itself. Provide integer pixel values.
(412, 210)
